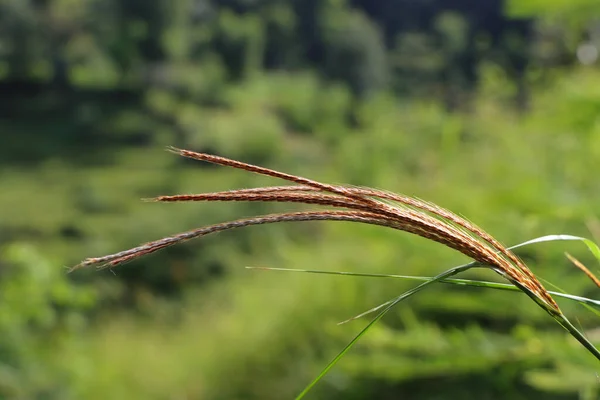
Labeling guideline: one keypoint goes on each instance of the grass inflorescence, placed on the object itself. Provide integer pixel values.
(368, 206)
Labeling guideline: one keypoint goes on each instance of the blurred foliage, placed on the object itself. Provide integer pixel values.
(41, 314)
(488, 108)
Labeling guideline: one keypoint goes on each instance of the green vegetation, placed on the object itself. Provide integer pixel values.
(500, 126)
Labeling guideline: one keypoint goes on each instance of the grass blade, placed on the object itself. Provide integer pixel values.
(492, 285)
(443, 275)
(452, 281)
(445, 278)
(592, 247)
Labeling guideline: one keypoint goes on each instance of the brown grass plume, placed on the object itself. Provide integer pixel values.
(364, 205)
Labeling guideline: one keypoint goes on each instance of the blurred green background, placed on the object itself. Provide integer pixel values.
(489, 108)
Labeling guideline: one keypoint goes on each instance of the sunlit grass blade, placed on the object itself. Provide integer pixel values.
(454, 281)
(593, 247)
(405, 295)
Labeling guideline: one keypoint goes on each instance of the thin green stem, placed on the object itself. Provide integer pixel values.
(443, 275)
(454, 281)
(563, 321)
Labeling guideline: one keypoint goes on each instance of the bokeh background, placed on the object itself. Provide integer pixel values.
(489, 108)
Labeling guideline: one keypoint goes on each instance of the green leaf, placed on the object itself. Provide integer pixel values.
(453, 281)
(405, 295)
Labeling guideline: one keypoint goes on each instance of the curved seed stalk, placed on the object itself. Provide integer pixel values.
(363, 205)
(369, 206)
